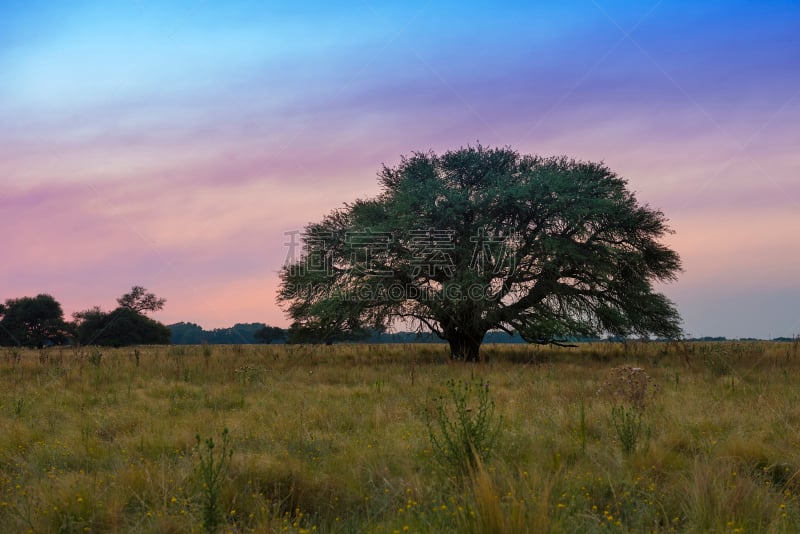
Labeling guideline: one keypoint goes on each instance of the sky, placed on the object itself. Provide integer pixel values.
(174, 145)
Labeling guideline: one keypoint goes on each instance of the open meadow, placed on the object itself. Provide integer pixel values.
(685, 437)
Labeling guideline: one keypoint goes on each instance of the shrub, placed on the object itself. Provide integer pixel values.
(629, 385)
(627, 421)
(465, 429)
(212, 468)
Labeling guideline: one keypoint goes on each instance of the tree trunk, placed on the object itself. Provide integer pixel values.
(465, 346)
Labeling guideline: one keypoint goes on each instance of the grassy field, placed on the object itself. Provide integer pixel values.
(704, 438)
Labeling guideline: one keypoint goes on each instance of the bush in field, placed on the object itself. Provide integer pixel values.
(212, 467)
(629, 385)
(631, 389)
(630, 427)
(464, 429)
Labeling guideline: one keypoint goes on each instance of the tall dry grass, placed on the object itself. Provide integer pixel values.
(333, 439)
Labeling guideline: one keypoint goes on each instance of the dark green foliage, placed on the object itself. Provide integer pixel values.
(464, 430)
(139, 300)
(212, 468)
(629, 426)
(268, 334)
(485, 238)
(187, 334)
(119, 328)
(327, 332)
(238, 334)
(32, 322)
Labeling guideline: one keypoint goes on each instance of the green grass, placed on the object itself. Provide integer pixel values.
(334, 439)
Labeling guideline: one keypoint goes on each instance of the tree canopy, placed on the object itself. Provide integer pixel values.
(32, 322)
(118, 328)
(481, 239)
(125, 325)
(140, 301)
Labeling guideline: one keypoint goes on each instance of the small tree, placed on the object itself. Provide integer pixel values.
(140, 301)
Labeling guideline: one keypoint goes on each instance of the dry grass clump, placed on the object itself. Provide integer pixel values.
(629, 385)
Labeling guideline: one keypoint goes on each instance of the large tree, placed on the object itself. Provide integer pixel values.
(481, 239)
(32, 321)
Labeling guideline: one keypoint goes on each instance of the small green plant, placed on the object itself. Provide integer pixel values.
(465, 428)
(212, 468)
(629, 426)
(95, 357)
(582, 431)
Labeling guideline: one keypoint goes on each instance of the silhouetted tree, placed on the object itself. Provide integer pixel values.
(118, 328)
(32, 322)
(126, 325)
(139, 300)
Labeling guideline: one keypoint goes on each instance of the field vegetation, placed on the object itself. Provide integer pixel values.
(642, 437)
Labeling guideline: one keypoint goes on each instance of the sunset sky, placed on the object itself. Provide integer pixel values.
(174, 144)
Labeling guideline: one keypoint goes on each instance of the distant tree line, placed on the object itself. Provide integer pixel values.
(39, 321)
(238, 334)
